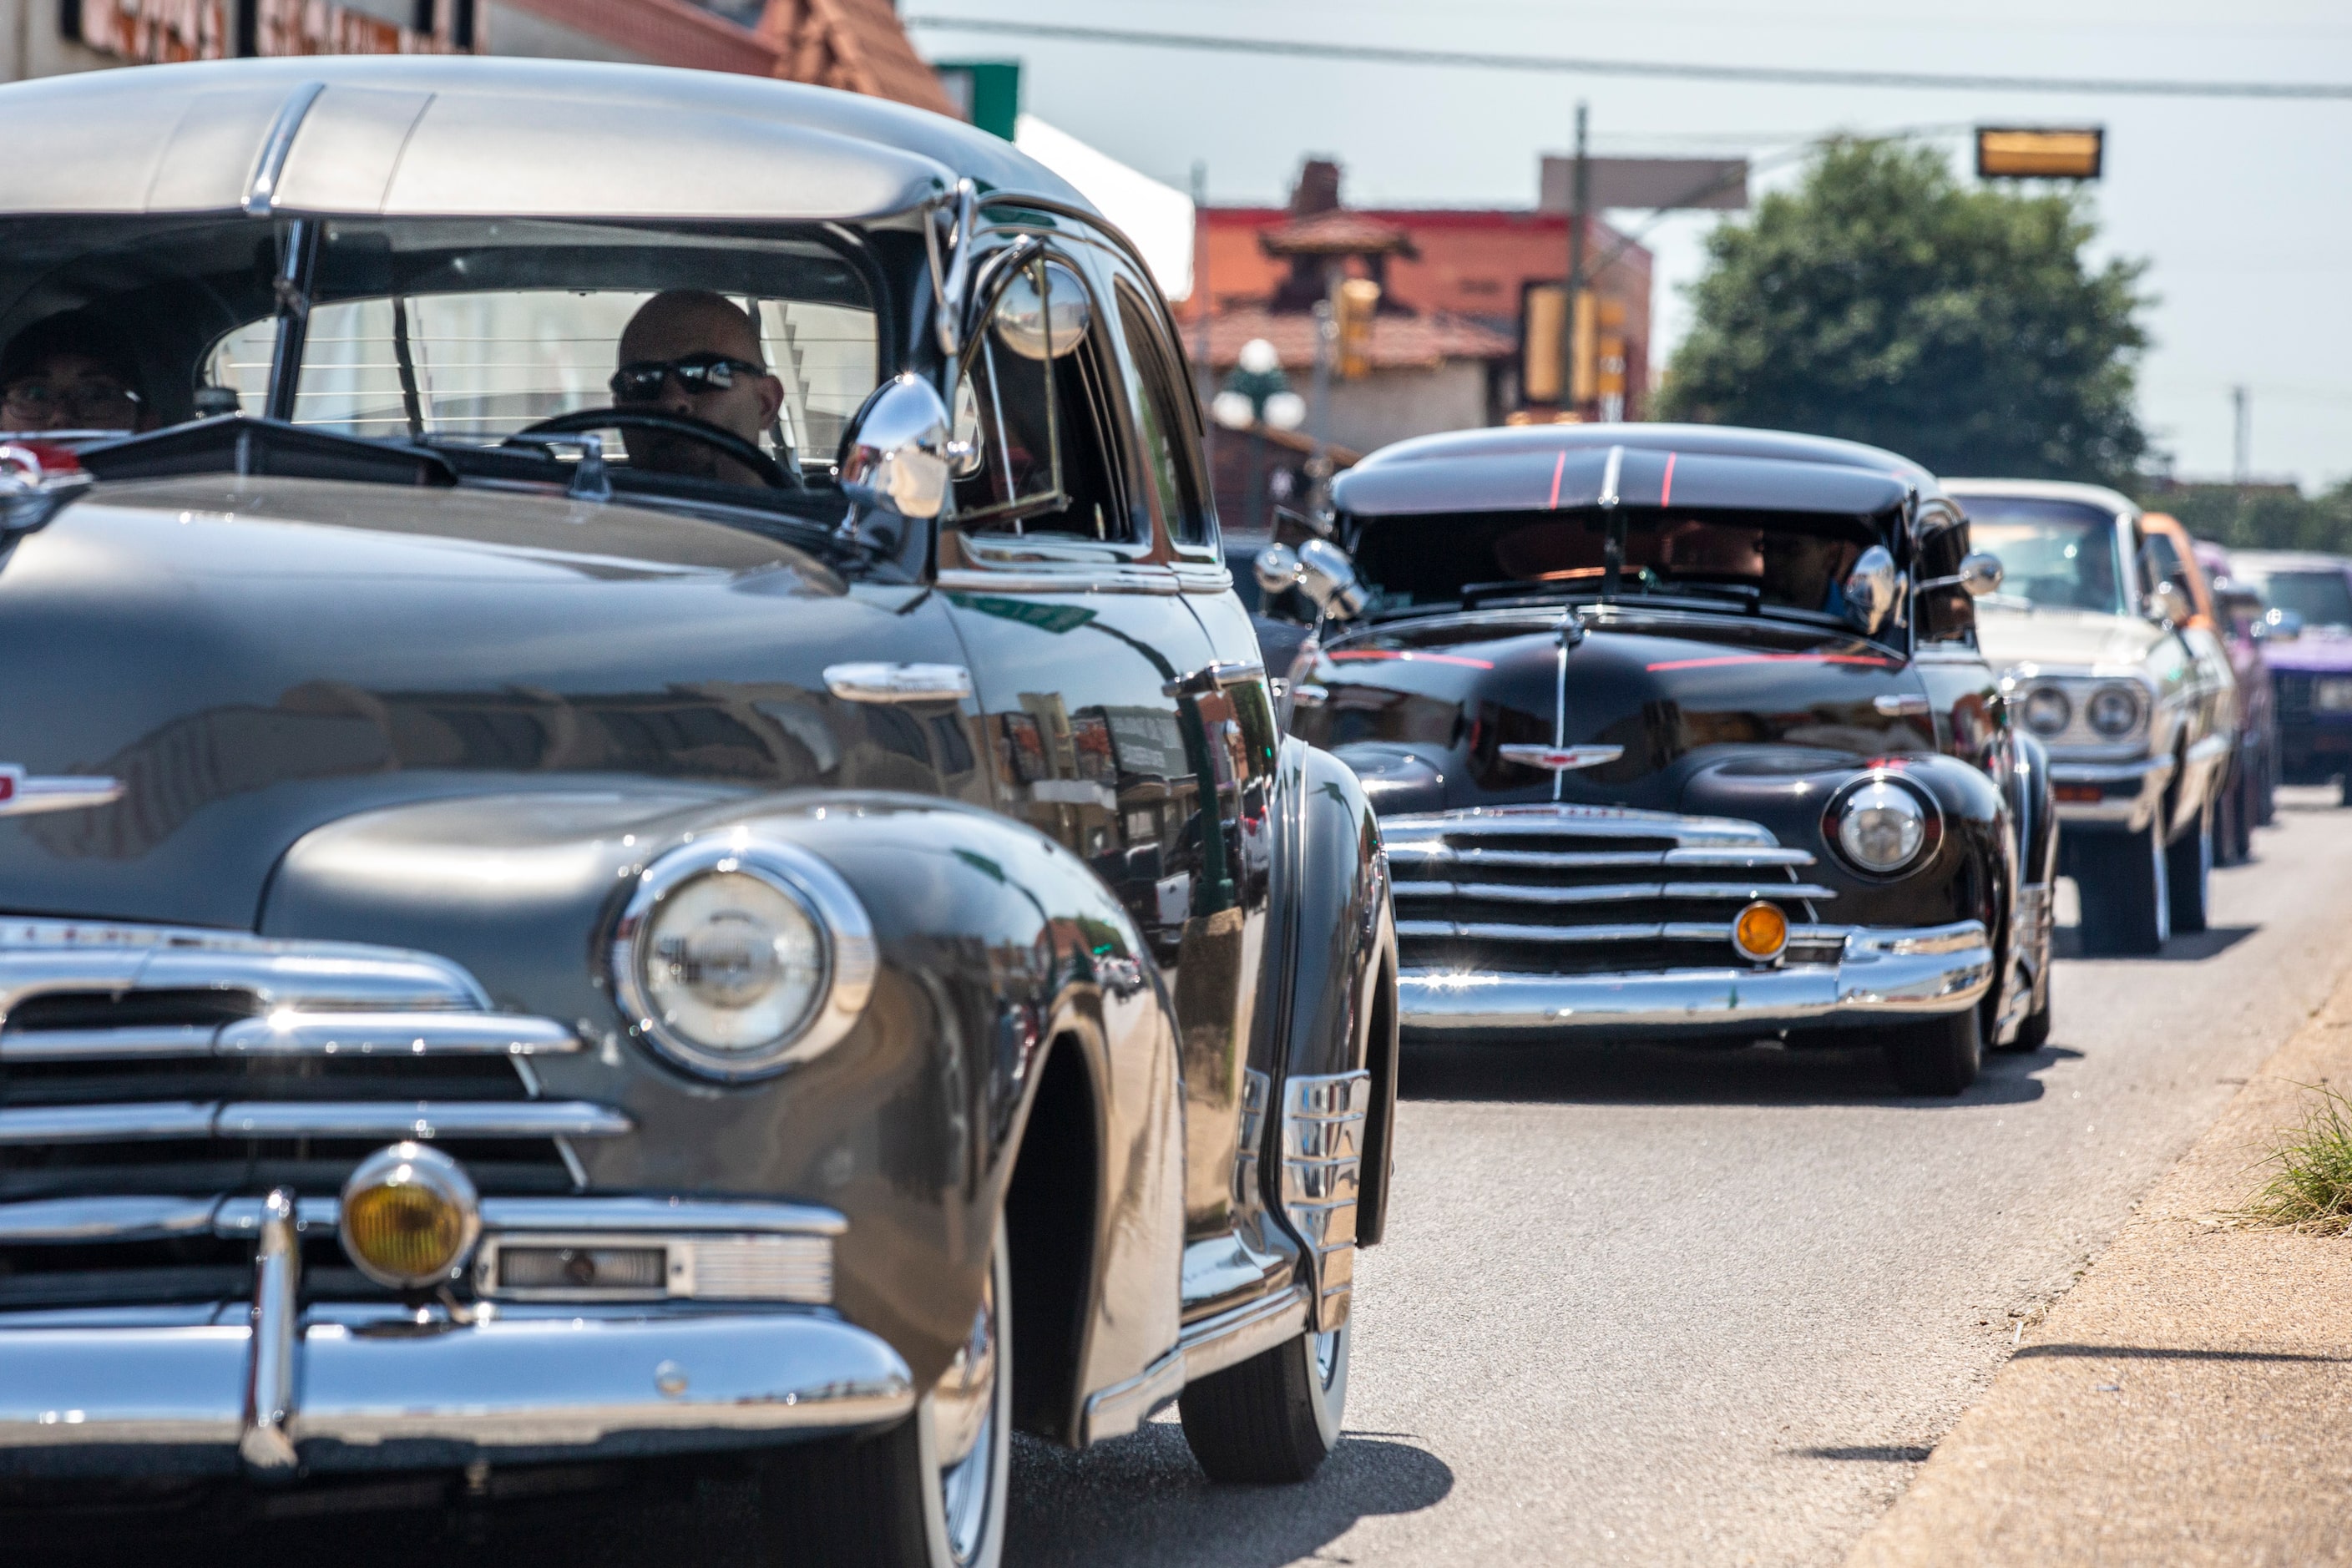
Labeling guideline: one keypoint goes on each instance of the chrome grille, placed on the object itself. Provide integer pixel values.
(1581, 890)
(175, 1073)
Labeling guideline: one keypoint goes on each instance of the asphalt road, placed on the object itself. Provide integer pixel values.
(1668, 1307)
(1637, 1306)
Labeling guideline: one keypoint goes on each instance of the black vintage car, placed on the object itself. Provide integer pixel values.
(1680, 731)
(639, 816)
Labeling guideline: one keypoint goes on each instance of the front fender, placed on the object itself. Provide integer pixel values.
(996, 943)
(1330, 996)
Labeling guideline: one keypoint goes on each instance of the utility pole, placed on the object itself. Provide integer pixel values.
(2241, 408)
(1204, 375)
(1580, 191)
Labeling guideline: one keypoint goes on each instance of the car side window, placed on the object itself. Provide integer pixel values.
(1036, 404)
(1170, 457)
(1947, 615)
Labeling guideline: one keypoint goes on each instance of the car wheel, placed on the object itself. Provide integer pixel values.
(2188, 872)
(931, 1493)
(1275, 1416)
(2245, 807)
(2034, 1033)
(2126, 905)
(2229, 818)
(1935, 1056)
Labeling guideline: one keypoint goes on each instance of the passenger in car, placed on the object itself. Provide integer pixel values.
(690, 351)
(71, 371)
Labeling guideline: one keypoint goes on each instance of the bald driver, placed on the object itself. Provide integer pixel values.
(694, 353)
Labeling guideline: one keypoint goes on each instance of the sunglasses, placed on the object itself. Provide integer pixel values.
(642, 382)
(95, 404)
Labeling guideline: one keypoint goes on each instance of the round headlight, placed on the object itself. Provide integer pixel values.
(2113, 711)
(738, 959)
(408, 1216)
(2047, 712)
(1881, 825)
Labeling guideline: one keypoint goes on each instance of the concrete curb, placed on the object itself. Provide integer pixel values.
(2190, 1400)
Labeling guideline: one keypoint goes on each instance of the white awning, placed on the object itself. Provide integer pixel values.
(1158, 217)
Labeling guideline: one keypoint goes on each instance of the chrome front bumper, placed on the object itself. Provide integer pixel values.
(117, 1393)
(2130, 793)
(1882, 973)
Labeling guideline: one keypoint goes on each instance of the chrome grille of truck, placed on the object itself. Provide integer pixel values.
(1580, 890)
(160, 1066)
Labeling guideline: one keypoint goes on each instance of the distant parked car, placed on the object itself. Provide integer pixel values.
(2310, 657)
(2095, 629)
(2242, 617)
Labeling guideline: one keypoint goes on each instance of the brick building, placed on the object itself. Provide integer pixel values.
(1446, 348)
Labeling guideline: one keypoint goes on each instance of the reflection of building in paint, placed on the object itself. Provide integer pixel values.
(760, 736)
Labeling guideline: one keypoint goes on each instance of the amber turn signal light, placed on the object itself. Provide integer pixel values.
(1761, 934)
(410, 1216)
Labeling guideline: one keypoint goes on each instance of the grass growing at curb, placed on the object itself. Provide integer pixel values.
(2311, 1188)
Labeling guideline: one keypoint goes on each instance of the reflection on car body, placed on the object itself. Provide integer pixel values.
(578, 958)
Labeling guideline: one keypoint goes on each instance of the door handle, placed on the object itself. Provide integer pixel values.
(898, 682)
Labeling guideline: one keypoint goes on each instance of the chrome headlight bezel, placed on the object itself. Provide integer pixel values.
(849, 957)
(1843, 801)
(2108, 690)
(2046, 692)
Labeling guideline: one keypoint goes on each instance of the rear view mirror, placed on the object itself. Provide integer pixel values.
(1275, 569)
(1981, 574)
(1870, 590)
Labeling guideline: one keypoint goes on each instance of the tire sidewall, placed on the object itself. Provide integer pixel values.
(1328, 1400)
(990, 1550)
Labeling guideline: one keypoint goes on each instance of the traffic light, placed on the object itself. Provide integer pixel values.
(2021, 153)
(1539, 335)
(1353, 303)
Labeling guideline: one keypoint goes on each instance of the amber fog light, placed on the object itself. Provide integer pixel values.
(1761, 934)
(410, 1215)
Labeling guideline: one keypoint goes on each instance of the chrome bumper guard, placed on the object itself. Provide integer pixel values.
(358, 1385)
(391, 1393)
(1882, 973)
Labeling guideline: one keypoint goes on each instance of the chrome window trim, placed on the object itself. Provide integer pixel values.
(1031, 577)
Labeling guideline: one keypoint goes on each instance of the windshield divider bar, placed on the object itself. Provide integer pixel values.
(299, 260)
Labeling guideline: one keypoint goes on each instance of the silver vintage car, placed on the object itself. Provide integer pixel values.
(2096, 632)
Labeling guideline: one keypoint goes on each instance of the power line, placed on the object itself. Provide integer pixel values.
(1796, 76)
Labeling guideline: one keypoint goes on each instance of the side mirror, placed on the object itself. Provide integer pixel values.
(2283, 626)
(899, 454)
(1041, 326)
(2164, 605)
(1275, 569)
(1328, 577)
(1870, 589)
(1981, 574)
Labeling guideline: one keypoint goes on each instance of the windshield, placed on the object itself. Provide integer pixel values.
(2056, 553)
(1753, 559)
(2322, 598)
(452, 332)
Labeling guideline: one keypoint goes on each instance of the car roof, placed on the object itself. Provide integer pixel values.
(1541, 467)
(2112, 501)
(2290, 561)
(429, 135)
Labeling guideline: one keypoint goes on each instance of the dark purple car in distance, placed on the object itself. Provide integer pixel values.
(2311, 673)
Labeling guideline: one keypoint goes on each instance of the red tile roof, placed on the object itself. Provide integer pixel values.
(1336, 233)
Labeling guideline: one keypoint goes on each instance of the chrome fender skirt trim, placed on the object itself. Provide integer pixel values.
(1210, 1345)
(1882, 973)
(386, 1394)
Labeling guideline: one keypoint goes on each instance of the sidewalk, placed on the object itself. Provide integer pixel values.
(2190, 1400)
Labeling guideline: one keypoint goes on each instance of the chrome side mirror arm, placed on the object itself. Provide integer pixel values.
(951, 277)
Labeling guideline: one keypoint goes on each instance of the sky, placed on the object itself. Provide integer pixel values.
(2242, 209)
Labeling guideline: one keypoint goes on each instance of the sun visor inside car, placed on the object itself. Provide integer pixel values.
(1584, 476)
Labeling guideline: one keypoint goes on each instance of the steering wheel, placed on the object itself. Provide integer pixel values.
(771, 473)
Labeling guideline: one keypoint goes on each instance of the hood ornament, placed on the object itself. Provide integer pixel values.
(22, 795)
(1561, 759)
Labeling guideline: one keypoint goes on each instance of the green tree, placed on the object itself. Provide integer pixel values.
(2262, 517)
(1885, 301)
